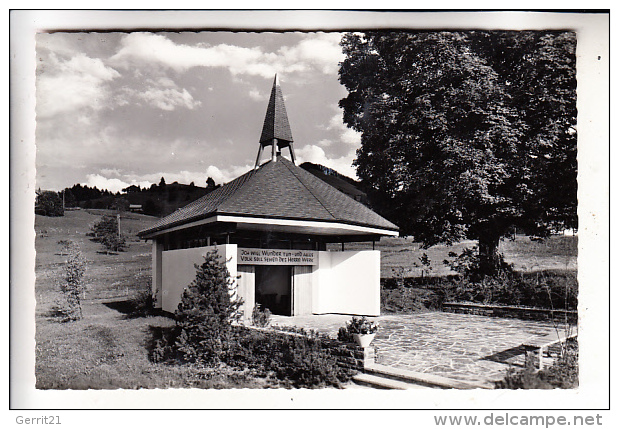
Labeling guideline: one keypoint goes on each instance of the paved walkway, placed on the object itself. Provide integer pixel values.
(458, 346)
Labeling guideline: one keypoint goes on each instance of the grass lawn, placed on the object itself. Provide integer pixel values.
(554, 253)
(106, 349)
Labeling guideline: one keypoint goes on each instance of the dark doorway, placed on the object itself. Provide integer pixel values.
(273, 288)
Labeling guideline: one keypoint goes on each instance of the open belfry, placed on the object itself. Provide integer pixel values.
(276, 129)
(272, 226)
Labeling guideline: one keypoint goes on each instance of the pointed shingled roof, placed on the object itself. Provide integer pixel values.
(277, 190)
(276, 124)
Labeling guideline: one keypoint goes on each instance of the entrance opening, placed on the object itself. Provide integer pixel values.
(273, 288)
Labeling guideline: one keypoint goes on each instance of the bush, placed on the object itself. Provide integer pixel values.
(162, 347)
(469, 264)
(556, 290)
(403, 299)
(344, 335)
(309, 333)
(143, 303)
(508, 287)
(541, 290)
(48, 203)
(205, 334)
(260, 317)
(299, 361)
(73, 285)
(106, 232)
(295, 360)
(114, 243)
(306, 364)
(206, 312)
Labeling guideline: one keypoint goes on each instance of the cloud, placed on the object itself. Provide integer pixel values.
(101, 182)
(351, 137)
(318, 51)
(121, 181)
(73, 84)
(256, 95)
(346, 135)
(316, 155)
(162, 93)
(169, 98)
(92, 116)
(151, 48)
(114, 180)
(110, 171)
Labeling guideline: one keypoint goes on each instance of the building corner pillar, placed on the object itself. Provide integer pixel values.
(156, 287)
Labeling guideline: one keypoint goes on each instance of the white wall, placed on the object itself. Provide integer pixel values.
(178, 271)
(343, 282)
(246, 287)
(156, 272)
(347, 282)
(302, 286)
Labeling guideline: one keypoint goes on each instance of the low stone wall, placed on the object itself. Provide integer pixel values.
(348, 355)
(526, 313)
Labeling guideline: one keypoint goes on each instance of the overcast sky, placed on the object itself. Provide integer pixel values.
(115, 109)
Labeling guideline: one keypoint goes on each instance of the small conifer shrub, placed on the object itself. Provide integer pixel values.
(206, 312)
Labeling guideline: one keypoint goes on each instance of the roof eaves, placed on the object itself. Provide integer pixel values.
(180, 222)
(162, 229)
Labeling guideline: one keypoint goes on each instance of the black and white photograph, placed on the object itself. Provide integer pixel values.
(310, 209)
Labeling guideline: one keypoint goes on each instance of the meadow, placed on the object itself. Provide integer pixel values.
(108, 348)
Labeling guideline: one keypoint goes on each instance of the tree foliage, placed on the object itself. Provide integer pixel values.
(48, 203)
(106, 232)
(73, 285)
(206, 313)
(120, 204)
(465, 134)
(84, 193)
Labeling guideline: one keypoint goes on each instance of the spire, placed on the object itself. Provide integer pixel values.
(276, 124)
(276, 129)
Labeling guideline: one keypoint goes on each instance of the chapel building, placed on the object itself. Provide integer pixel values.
(272, 226)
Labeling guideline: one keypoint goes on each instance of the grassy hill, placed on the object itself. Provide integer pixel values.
(554, 253)
(107, 275)
(107, 349)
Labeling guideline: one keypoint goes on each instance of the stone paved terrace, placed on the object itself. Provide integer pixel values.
(459, 346)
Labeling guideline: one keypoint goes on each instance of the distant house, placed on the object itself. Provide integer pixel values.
(272, 226)
(136, 208)
(131, 189)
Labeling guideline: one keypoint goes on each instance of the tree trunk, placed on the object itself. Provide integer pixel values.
(489, 260)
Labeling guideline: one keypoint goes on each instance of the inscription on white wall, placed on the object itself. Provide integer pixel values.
(276, 257)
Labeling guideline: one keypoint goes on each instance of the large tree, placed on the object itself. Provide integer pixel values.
(465, 134)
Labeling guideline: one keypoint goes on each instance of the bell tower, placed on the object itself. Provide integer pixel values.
(276, 129)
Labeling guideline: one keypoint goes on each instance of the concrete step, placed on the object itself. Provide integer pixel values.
(379, 382)
(422, 379)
